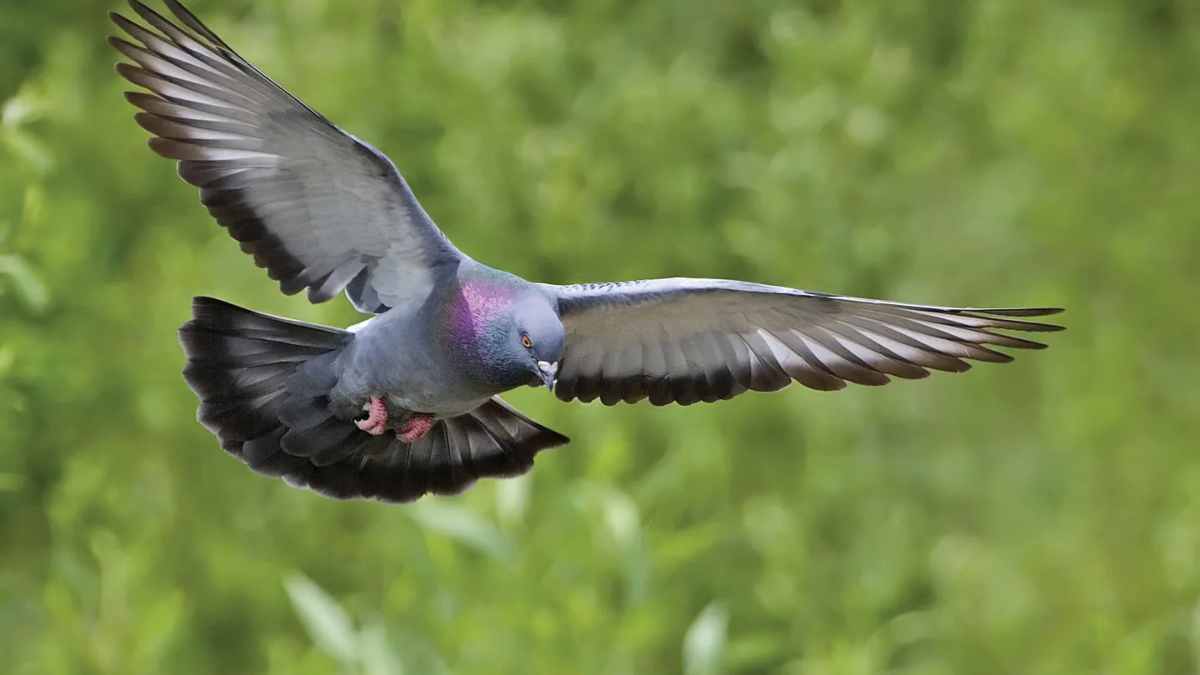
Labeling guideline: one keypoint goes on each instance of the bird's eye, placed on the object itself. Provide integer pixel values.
(526, 342)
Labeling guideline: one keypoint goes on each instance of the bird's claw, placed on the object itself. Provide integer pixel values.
(414, 428)
(376, 421)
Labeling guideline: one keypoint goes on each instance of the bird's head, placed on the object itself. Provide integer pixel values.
(505, 335)
(539, 334)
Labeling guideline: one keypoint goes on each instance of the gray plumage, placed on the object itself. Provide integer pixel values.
(689, 340)
(266, 384)
(324, 211)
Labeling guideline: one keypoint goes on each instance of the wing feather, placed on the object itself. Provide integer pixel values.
(688, 340)
(316, 207)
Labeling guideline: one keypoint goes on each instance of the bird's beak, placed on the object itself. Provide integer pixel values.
(548, 372)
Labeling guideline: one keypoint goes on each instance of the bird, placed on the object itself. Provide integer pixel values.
(408, 402)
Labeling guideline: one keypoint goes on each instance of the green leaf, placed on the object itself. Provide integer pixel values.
(463, 525)
(376, 654)
(29, 148)
(327, 623)
(25, 281)
(25, 107)
(704, 642)
(512, 499)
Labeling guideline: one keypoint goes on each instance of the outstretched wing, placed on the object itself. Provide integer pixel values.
(688, 340)
(315, 206)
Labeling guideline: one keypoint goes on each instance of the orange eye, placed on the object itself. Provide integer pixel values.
(526, 342)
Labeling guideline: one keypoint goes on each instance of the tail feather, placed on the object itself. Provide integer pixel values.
(243, 366)
(492, 440)
(264, 384)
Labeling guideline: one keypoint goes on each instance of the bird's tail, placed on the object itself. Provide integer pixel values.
(264, 385)
(253, 371)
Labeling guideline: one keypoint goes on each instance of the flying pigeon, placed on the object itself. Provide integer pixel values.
(407, 402)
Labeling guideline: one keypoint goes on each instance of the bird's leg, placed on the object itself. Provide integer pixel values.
(376, 421)
(414, 428)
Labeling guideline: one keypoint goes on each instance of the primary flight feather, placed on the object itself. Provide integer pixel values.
(408, 403)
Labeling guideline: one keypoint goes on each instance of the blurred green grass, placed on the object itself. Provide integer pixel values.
(1042, 517)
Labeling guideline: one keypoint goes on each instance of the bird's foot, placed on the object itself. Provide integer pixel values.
(414, 428)
(376, 421)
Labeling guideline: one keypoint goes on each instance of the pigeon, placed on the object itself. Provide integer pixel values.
(407, 402)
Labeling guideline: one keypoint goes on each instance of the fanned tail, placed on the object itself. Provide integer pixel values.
(493, 440)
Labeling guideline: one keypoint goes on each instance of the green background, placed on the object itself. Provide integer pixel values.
(1040, 517)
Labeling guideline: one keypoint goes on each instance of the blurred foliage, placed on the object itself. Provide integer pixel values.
(1042, 517)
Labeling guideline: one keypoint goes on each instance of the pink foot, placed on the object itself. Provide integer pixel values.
(377, 418)
(414, 428)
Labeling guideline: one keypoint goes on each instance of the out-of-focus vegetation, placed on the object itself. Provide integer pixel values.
(1042, 517)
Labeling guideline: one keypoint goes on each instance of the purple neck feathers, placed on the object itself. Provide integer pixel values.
(475, 326)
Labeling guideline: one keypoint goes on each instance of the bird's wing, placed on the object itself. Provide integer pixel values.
(688, 340)
(315, 206)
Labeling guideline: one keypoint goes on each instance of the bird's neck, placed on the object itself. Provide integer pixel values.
(474, 330)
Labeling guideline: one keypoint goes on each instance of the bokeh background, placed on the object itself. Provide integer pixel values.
(1040, 517)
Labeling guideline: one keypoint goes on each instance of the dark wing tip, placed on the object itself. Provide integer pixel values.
(193, 22)
(145, 120)
(129, 71)
(550, 438)
(1041, 327)
(135, 96)
(1018, 311)
(167, 148)
(146, 12)
(1022, 312)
